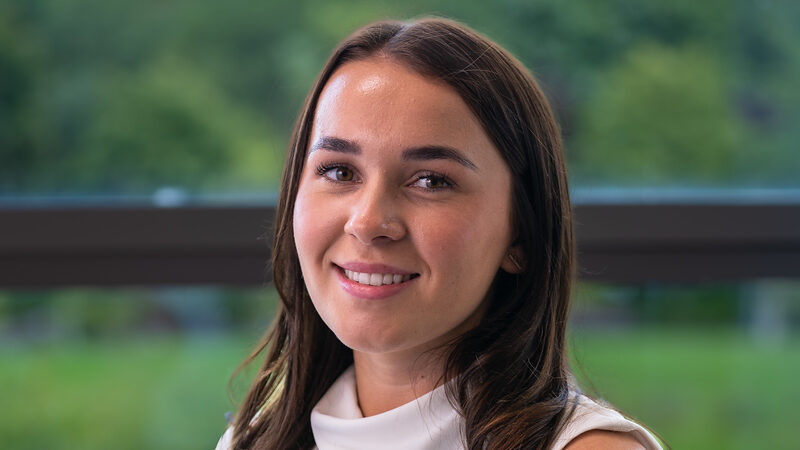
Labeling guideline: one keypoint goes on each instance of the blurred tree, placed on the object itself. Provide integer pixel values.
(661, 117)
(168, 125)
(766, 62)
(18, 69)
(126, 97)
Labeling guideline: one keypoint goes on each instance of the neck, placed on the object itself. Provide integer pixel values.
(384, 382)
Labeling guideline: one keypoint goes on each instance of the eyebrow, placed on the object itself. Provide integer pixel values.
(424, 153)
(335, 144)
(430, 152)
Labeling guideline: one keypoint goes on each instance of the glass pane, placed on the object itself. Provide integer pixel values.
(706, 366)
(126, 368)
(189, 98)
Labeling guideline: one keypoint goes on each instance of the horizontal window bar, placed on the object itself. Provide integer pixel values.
(147, 245)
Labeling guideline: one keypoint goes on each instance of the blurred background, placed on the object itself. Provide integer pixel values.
(143, 109)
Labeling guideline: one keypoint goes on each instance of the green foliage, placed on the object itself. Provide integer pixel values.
(18, 67)
(80, 313)
(662, 116)
(699, 389)
(657, 304)
(149, 393)
(127, 97)
(168, 117)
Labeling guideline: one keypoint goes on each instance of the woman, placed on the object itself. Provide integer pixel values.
(424, 256)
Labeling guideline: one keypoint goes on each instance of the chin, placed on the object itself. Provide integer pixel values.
(371, 341)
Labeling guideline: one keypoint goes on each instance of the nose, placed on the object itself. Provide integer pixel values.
(374, 217)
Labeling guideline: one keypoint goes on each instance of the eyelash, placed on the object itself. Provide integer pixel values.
(322, 169)
(436, 176)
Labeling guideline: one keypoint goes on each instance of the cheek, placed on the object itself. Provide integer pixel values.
(300, 224)
(466, 243)
(311, 230)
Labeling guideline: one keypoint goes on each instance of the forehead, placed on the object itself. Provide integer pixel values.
(379, 101)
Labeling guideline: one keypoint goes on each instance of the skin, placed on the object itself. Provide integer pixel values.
(604, 440)
(364, 198)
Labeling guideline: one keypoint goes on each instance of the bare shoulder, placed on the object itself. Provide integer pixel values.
(604, 440)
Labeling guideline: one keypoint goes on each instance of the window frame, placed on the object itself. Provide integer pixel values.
(145, 245)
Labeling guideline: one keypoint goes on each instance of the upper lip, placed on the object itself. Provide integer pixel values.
(364, 267)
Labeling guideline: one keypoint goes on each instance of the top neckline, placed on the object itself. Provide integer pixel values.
(428, 422)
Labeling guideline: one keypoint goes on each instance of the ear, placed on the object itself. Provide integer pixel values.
(513, 262)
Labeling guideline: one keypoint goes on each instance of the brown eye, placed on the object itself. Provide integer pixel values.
(433, 182)
(343, 174)
(337, 173)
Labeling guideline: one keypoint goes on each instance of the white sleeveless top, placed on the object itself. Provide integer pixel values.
(429, 423)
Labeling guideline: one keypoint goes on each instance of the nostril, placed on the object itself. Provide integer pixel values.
(376, 229)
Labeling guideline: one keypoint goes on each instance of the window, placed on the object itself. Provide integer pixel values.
(141, 146)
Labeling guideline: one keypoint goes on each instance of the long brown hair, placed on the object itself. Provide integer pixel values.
(513, 378)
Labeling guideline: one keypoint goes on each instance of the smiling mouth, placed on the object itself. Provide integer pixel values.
(377, 279)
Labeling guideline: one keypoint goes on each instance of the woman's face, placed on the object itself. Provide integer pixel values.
(403, 214)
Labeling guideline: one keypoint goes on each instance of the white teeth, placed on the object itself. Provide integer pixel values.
(376, 279)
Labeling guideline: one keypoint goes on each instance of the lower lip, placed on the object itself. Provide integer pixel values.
(370, 292)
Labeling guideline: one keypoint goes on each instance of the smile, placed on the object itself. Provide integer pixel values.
(376, 279)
